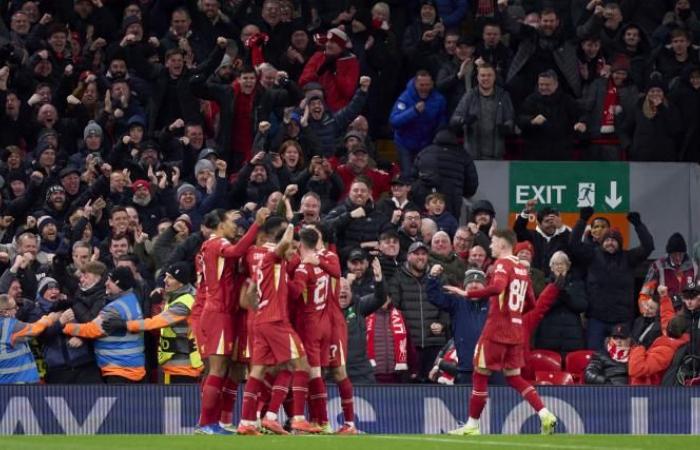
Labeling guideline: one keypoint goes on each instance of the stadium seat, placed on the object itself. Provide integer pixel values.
(538, 361)
(576, 363)
(549, 353)
(558, 378)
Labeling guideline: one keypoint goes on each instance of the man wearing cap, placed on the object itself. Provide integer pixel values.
(609, 365)
(121, 355)
(178, 355)
(336, 68)
(70, 180)
(357, 165)
(56, 205)
(427, 325)
(400, 188)
(148, 205)
(547, 238)
(610, 277)
(689, 368)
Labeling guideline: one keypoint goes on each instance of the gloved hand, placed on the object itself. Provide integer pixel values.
(114, 325)
(634, 218)
(586, 213)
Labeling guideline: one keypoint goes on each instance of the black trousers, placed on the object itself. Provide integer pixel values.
(85, 374)
(425, 360)
(115, 379)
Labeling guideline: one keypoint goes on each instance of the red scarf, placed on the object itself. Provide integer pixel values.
(398, 330)
(485, 8)
(607, 124)
(618, 354)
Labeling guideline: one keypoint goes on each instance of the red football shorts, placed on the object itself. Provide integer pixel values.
(339, 340)
(241, 341)
(275, 343)
(496, 356)
(216, 334)
(316, 337)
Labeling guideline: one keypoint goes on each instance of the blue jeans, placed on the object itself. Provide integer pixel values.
(597, 332)
(406, 157)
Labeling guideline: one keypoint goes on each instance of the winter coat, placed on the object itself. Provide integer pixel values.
(610, 278)
(468, 115)
(647, 366)
(452, 12)
(645, 330)
(414, 130)
(669, 67)
(451, 168)
(466, 316)
(454, 268)
(333, 125)
(243, 190)
(593, 103)
(553, 140)
(338, 78)
(351, 232)
(367, 297)
(451, 86)
(651, 139)
(545, 246)
(409, 295)
(561, 329)
(687, 100)
(88, 303)
(602, 369)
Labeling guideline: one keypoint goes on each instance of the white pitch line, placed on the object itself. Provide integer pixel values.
(498, 444)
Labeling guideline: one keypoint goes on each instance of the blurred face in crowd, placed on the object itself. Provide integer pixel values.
(310, 208)
(149, 157)
(117, 182)
(477, 256)
(613, 16)
(93, 142)
(171, 284)
(45, 93)
(428, 14)
(300, 40)
(88, 280)
(486, 77)
(411, 223)
(175, 64)
(210, 8)
(28, 244)
(464, 52)
(611, 245)
(418, 260)
(692, 303)
(119, 222)
(286, 11)
(482, 218)
(259, 174)
(49, 232)
(14, 160)
(651, 310)
(547, 86)
(424, 86)
(47, 115)
(136, 133)
(187, 200)
(15, 290)
(83, 8)
(132, 10)
(81, 255)
(679, 45)
(655, 93)
(389, 247)
(333, 49)
(359, 193)
(491, 36)
(427, 229)
(58, 199)
(379, 13)
(317, 108)
(619, 77)
(598, 229)
(532, 20)
(358, 160)
(273, 200)
(290, 156)
(90, 94)
(117, 68)
(632, 37)
(203, 176)
(345, 294)
(450, 44)
(247, 82)
(180, 23)
(31, 9)
(43, 68)
(358, 267)
(18, 188)
(20, 23)
(463, 240)
(590, 48)
(195, 134)
(118, 247)
(47, 158)
(249, 31)
(676, 258)
(121, 91)
(136, 29)
(268, 76)
(58, 41)
(549, 224)
(400, 191)
(559, 264)
(441, 244)
(436, 206)
(271, 12)
(133, 215)
(12, 105)
(695, 79)
(549, 24)
(525, 255)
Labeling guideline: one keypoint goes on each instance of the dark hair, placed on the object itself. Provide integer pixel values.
(547, 11)
(364, 180)
(508, 235)
(549, 74)
(174, 51)
(130, 257)
(273, 224)
(679, 32)
(423, 73)
(214, 218)
(546, 211)
(309, 237)
(604, 219)
(677, 326)
(247, 69)
(485, 66)
(118, 237)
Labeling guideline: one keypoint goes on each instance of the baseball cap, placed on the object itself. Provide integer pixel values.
(418, 245)
(691, 290)
(400, 180)
(358, 148)
(180, 271)
(621, 330)
(474, 275)
(357, 255)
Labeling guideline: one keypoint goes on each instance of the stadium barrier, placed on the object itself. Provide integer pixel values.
(410, 409)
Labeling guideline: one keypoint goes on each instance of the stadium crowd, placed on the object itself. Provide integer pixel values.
(125, 123)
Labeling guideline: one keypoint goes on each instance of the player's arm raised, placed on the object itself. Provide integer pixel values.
(286, 241)
(239, 249)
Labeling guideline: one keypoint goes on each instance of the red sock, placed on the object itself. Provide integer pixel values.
(228, 398)
(250, 399)
(288, 405)
(346, 400)
(210, 400)
(300, 388)
(480, 393)
(279, 390)
(318, 399)
(264, 398)
(526, 390)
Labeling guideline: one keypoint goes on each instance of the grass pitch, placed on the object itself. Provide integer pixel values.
(362, 442)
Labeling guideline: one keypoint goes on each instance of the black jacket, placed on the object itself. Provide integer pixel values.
(651, 139)
(561, 329)
(602, 369)
(367, 297)
(351, 232)
(545, 246)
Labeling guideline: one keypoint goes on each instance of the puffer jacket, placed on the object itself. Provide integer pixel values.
(409, 295)
(367, 297)
(561, 329)
(414, 130)
(351, 232)
(450, 167)
(452, 264)
(332, 126)
(647, 367)
(602, 369)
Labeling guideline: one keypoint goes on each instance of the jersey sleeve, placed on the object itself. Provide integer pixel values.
(239, 249)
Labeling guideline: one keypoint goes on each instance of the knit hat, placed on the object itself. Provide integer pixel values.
(613, 233)
(136, 120)
(68, 170)
(44, 221)
(54, 189)
(185, 187)
(45, 283)
(676, 244)
(474, 276)
(128, 21)
(620, 62)
(202, 165)
(92, 129)
(16, 175)
(136, 185)
(656, 81)
(524, 245)
(186, 220)
(225, 61)
(122, 277)
(483, 206)
(206, 152)
(180, 271)
(339, 37)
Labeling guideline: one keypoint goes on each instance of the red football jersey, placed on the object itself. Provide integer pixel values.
(315, 295)
(201, 292)
(511, 294)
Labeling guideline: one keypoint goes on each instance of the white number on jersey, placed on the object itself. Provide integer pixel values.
(321, 291)
(516, 297)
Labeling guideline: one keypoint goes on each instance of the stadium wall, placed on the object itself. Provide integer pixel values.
(411, 409)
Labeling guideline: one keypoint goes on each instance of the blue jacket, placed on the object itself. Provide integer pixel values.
(414, 130)
(452, 12)
(467, 318)
(17, 363)
(122, 349)
(54, 344)
(446, 222)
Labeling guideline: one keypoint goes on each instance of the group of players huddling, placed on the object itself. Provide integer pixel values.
(268, 307)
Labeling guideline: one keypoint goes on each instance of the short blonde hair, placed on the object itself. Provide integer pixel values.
(384, 8)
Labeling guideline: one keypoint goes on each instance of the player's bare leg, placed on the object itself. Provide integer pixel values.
(340, 376)
(527, 391)
(211, 396)
(318, 400)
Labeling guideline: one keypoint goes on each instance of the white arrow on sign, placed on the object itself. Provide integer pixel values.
(613, 200)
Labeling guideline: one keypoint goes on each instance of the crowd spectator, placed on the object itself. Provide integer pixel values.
(610, 364)
(547, 238)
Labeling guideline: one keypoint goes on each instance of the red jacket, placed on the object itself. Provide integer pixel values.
(532, 318)
(339, 85)
(647, 367)
(381, 181)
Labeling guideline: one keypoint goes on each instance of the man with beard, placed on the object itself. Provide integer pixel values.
(70, 180)
(50, 237)
(409, 231)
(426, 324)
(148, 206)
(549, 236)
(483, 219)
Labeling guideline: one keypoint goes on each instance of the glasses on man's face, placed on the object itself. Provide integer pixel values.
(412, 219)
